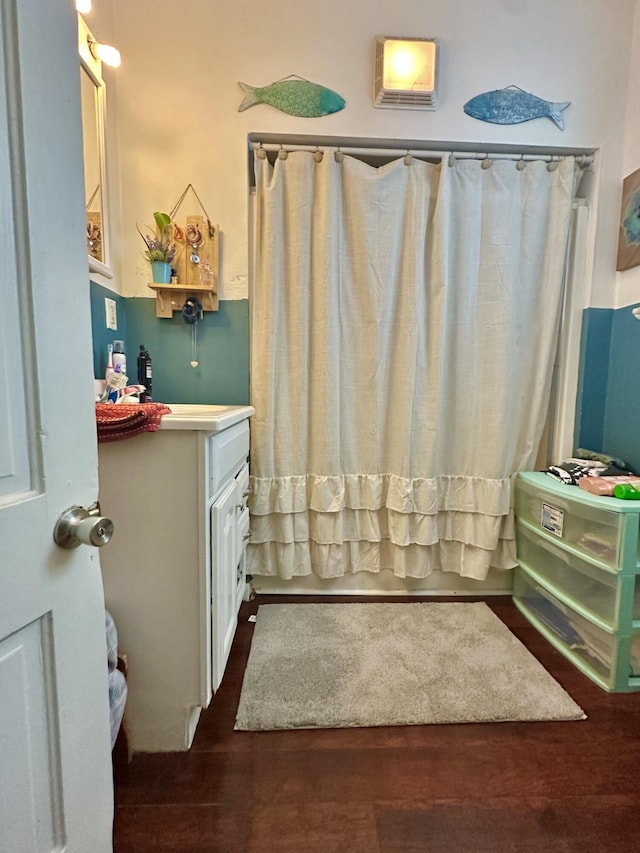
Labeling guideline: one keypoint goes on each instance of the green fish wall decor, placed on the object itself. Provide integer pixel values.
(295, 96)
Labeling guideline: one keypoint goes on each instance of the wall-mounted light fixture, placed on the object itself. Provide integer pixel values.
(104, 52)
(405, 74)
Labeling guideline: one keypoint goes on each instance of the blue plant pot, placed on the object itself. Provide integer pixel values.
(161, 272)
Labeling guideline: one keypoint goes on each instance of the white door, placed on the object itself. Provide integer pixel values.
(55, 771)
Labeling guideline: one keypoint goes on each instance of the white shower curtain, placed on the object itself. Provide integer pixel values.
(404, 325)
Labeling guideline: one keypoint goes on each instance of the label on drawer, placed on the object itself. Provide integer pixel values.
(552, 519)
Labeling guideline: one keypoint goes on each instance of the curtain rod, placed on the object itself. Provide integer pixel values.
(582, 159)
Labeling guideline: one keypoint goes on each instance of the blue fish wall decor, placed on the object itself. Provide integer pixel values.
(295, 96)
(512, 106)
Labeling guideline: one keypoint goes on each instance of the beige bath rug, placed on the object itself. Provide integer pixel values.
(343, 665)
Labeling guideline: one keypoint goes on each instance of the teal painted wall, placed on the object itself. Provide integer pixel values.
(222, 374)
(621, 430)
(101, 335)
(608, 410)
(593, 376)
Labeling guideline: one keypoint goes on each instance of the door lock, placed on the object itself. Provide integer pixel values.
(80, 526)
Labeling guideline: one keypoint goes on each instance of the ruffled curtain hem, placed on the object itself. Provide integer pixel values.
(424, 495)
(403, 529)
(294, 559)
(343, 524)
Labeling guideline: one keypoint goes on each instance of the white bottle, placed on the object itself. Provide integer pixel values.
(112, 395)
(119, 358)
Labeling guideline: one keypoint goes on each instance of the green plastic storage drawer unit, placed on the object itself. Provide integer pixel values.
(577, 576)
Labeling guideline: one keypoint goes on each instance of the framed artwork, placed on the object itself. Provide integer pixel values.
(629, 236)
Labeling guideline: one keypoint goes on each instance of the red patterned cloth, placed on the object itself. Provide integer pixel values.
(118, 421)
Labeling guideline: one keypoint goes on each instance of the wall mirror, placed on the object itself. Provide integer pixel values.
(93, 92)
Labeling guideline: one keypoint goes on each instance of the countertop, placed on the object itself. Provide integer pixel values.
(204, 417)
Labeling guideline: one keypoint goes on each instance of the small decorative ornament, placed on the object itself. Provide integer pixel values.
(295, 96)
(193, 235)
(191, 314)
(513, 106)
(94, 235)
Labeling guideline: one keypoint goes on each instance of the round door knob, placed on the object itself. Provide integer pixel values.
(76, 526)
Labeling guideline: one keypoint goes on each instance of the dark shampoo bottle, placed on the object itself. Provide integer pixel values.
(145, 375)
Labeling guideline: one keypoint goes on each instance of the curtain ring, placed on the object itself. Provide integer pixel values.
(452, 160)
(261, 154)
(553, 165)
(486, 162)
(520, 165)
(338, 156)
(408, 160)
(282, 154)
(317, 155)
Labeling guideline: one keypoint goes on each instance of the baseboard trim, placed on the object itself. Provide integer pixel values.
(386, 583)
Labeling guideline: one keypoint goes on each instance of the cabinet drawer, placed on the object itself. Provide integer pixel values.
(580, 640)
(228, 451)
(583, 583)
(594, 532)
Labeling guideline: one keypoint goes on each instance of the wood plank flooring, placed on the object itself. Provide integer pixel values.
(571, 787)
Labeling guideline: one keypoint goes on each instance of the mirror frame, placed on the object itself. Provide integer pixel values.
(93, 68)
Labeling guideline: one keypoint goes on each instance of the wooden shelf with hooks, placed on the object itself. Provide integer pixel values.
(171, 297)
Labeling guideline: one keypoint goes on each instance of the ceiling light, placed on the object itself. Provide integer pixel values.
(406, 73)
(83, 6)
(104, 52)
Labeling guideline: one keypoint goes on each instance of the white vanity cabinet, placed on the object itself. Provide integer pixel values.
(174, 572)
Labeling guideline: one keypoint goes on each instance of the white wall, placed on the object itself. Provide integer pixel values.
(628, 281)
(177, 96)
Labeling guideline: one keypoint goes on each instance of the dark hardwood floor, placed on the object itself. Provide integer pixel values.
(571, 787)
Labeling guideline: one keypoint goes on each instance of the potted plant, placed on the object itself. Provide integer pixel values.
(160, 249)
